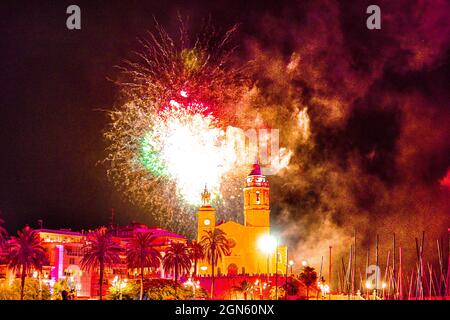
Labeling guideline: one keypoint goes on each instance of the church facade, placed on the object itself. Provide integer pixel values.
(249, 254)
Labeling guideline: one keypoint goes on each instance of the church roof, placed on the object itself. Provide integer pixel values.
(231, 223)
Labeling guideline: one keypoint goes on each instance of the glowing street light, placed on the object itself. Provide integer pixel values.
(304, 263)
(194, 284)
(267, 244)
(119, 284)
(291, 264)
(383, 286)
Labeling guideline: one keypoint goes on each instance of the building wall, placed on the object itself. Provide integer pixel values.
(246, 257)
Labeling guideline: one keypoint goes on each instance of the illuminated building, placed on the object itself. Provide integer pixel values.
(253, 249)
(65, 251)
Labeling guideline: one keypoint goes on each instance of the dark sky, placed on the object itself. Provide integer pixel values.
(53, 81)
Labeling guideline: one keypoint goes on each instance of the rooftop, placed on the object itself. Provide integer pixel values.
(256, 171)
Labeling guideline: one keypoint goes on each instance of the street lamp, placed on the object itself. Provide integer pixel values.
(368, 287)
(276, 271)
(119, 284)
(383, 285)
(267, 244)
(194, 284)
(291, 264)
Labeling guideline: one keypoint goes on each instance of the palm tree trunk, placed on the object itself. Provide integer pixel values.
(142, 282)
(101, 280)
(22, 283)
(212, 280)
(195, 267)
(307, 293)
(176, 281)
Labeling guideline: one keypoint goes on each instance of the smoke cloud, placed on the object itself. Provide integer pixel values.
(376, 154)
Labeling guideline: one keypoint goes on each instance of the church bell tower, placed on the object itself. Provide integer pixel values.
(256, 199)
(206, 215)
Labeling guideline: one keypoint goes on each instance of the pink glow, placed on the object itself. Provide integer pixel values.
(60, 260)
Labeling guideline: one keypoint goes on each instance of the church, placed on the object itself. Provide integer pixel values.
(252, 252)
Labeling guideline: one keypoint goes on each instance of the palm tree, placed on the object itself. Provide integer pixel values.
(308, 277)
(196, 253)
(244, 287)
(215, 245)
(99, 252)
(3, 233)
(25, 254)
(177, 259)
(141, 254)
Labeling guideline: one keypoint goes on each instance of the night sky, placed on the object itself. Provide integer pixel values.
(54, 81)
(392, 85)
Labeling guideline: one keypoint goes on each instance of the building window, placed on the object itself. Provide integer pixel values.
(258, 198)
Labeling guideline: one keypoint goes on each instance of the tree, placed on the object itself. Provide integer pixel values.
(60, 286)
(164, 289)
(100, 252)
(274, 292)
(196, 253)
(292, 286)
(33, 290)
(215, 246)
(142, 255)
(177, 259)
(130, 291)
(160, 289)
(26, 254)
(308, 277)
(3, 233)
(244, 287)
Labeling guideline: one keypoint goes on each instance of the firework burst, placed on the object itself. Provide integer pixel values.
(203, 68)
(168, 140)
(187, 146)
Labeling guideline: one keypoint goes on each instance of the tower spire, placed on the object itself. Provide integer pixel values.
(256, 198)
(206, 197)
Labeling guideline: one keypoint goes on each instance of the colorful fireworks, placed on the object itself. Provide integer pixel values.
(187, 146)
(202, 71)
(168, 140)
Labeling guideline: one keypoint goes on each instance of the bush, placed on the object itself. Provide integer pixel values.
(7, 293)
(273, 292)
(31, 290)
(161, 289)
(59, 287)
(292, 286)
(129, 292)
